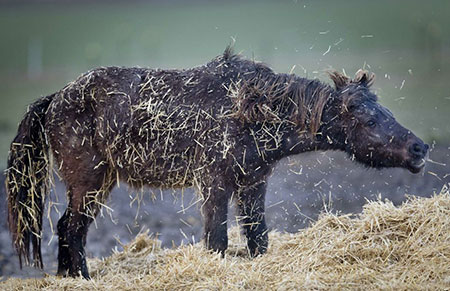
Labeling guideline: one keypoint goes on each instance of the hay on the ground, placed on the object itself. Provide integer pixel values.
(385, 247)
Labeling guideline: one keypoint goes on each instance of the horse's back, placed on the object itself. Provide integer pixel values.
(153, 126)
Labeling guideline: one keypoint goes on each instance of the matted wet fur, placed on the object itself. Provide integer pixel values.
(219, 128)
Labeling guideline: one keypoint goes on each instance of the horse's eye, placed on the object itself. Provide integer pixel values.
(370, 123)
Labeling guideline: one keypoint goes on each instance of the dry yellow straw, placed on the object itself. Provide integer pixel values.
(385, 247)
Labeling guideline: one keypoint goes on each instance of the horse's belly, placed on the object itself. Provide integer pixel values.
(174, 170)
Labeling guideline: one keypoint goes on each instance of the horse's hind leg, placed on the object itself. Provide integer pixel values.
(63, 246)
(86, 193)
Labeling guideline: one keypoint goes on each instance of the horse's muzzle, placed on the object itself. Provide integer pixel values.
(418, 152)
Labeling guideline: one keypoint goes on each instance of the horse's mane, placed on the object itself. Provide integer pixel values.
(262, 95)
(267, 96)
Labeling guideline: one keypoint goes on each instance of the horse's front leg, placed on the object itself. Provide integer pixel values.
(250, 203)
(215, 211)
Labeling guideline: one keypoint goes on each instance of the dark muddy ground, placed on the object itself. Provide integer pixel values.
(298, 191)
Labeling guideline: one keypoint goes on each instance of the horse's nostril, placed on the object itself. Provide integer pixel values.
(417, 149)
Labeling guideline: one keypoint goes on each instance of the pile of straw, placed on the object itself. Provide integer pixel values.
(385, 247)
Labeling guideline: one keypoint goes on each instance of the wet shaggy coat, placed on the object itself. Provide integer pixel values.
(219, 128)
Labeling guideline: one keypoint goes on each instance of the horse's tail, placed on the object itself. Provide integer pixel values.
(27, 182)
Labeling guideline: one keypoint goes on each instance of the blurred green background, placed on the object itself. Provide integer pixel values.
(46, 44)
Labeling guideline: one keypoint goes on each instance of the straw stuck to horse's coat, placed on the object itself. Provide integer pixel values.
(219, 128)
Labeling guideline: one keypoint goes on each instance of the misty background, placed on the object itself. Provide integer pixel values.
(46, 44)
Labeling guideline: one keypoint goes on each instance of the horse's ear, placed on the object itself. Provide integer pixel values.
(340, 80)
(364, 77)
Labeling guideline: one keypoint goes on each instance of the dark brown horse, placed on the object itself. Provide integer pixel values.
(219, 128)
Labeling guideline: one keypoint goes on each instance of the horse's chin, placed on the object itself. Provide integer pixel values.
(415, 166)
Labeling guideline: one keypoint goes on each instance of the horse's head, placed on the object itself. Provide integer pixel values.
(369, 131)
